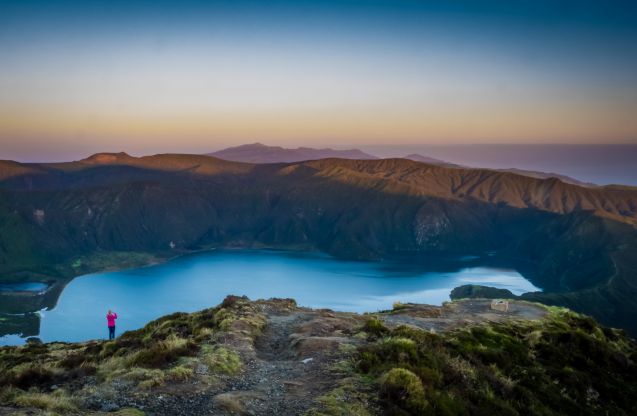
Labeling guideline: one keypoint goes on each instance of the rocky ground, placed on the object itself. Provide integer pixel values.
(296, 359)
(288, 360)
(285, 369)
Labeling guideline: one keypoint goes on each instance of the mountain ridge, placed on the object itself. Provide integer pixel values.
(524, 172)
(431, 160)
(260, 153)
(488, 185)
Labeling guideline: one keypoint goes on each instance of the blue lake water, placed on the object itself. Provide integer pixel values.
(23, 287)
(202, 280)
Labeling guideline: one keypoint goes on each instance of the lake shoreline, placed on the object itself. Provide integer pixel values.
(155, 259)
(193, 281)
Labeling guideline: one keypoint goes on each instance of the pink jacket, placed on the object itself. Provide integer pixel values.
(111, 317)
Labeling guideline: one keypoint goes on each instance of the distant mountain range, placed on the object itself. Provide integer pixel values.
(432, 161)
(260, 153)
(546, 175)
(530, 173)
(65, 219)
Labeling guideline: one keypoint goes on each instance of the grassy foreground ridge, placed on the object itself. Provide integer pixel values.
(273, 357)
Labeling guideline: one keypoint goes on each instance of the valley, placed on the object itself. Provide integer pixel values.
(318, 208)
(109, 211)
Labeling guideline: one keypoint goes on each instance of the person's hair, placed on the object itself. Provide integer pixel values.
(110, 311)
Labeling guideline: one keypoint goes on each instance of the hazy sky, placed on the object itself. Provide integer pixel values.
(193, 76)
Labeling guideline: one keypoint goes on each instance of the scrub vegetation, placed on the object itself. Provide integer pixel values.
(563, 364)
(273, 357)
(167, 350)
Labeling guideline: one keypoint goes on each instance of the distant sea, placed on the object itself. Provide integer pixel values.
(599, 164)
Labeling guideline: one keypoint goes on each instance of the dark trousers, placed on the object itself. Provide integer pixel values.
(111, 332)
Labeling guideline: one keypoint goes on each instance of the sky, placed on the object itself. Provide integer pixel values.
(194, 76)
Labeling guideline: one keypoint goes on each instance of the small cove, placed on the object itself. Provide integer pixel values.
(35, 287)
(202, 280)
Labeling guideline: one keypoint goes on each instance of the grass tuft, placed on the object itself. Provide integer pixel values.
(220, 360)
(57, 401)
(179, 373)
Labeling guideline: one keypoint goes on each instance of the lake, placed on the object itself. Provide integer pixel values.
(203, 280)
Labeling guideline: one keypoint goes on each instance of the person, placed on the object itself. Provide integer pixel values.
(110, 319)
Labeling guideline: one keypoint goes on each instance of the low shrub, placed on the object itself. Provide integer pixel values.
(397, 306)
(564, 364)
(399, 349)
(164, 352)
(232, 300)
(73, 360)
(110, 348)
(402, 388)
(203, 334)
(375, 327)
(27, 376)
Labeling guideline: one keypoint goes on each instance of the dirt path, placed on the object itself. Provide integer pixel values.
(289, 369)
(291, 363)
(274, 344)
(277, 380)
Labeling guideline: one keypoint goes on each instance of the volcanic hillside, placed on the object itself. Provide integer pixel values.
(577, 243)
